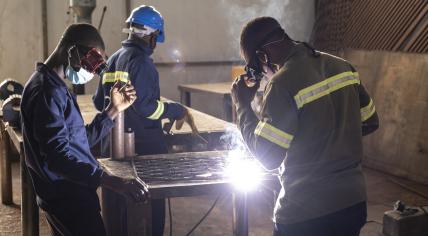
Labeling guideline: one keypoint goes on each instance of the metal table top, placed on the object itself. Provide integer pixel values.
(185, 183)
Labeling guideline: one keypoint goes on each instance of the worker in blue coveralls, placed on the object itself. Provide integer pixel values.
(57, 144)
(133, 63)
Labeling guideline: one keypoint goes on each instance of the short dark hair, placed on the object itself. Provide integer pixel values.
(257, 32)
(81, 34)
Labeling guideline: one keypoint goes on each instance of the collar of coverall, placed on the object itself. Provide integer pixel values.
(140, 45)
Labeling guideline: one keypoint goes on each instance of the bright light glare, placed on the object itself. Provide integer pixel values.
(244, 173)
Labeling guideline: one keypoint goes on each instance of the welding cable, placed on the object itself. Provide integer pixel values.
(374, 221)
(170, 217)
(205, 216)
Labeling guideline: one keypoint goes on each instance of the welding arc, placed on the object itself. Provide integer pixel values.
(205, 216)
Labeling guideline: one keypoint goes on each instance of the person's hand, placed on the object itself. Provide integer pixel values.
(121, 97)
(242, 95)
(187, 118)
(130, 188)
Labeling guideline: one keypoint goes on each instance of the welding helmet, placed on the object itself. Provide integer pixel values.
(91, 63)
(148, 16)
(254, 70)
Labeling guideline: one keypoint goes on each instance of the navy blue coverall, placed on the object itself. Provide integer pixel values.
(57, 145)
(133, 62)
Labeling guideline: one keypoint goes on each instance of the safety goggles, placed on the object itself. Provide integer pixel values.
(145, 30)
(93, 62)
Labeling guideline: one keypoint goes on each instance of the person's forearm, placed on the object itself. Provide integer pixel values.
(247, 122)
(111, 111)
(74, 170)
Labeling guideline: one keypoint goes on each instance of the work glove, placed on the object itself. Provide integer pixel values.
(242, 95)
(130, 188)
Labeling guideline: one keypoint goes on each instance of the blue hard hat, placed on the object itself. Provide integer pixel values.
(147, 15)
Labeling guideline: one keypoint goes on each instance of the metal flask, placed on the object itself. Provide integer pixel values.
(129, 144)
(117, 138)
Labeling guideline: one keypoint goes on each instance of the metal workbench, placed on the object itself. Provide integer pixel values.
(168, 176)
(210, 128)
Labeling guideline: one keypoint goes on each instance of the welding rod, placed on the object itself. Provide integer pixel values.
(202, 138)
(145, 186)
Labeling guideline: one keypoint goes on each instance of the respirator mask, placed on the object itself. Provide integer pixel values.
(90, 64)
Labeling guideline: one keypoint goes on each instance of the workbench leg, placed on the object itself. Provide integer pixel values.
(113, 212)
(185, 98)
(122, 217)
(5, 168)
(139, 218)
(29, 208)
(240, 214)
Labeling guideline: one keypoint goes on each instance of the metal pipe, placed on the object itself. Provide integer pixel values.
(129, 144)
(82, 10)
(45, 29)
(118, 138)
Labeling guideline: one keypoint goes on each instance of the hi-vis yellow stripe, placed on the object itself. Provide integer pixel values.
(325, 87)
(112, 77)
(273, 134)
(367, 111)
(158, 112)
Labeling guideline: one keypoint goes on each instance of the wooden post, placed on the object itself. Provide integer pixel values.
(5, 166)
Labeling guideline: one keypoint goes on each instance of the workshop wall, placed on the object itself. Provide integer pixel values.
(196, 31)
(398, 84)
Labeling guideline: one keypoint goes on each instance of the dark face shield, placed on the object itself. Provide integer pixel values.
(93, 62)
(252, 76)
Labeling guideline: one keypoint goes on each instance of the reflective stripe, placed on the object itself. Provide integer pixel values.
(367, 111)
(108, 78)
(112, 77)
(325, 87)
(159, 111)
(121, 76)
(273, 134)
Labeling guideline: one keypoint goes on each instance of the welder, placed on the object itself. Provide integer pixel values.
(133, 63)
(57, 144)
(314, 114)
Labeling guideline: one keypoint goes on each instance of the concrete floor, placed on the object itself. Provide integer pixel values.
(383, 191)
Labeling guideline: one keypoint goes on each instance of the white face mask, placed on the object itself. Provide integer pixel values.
(81, 77)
